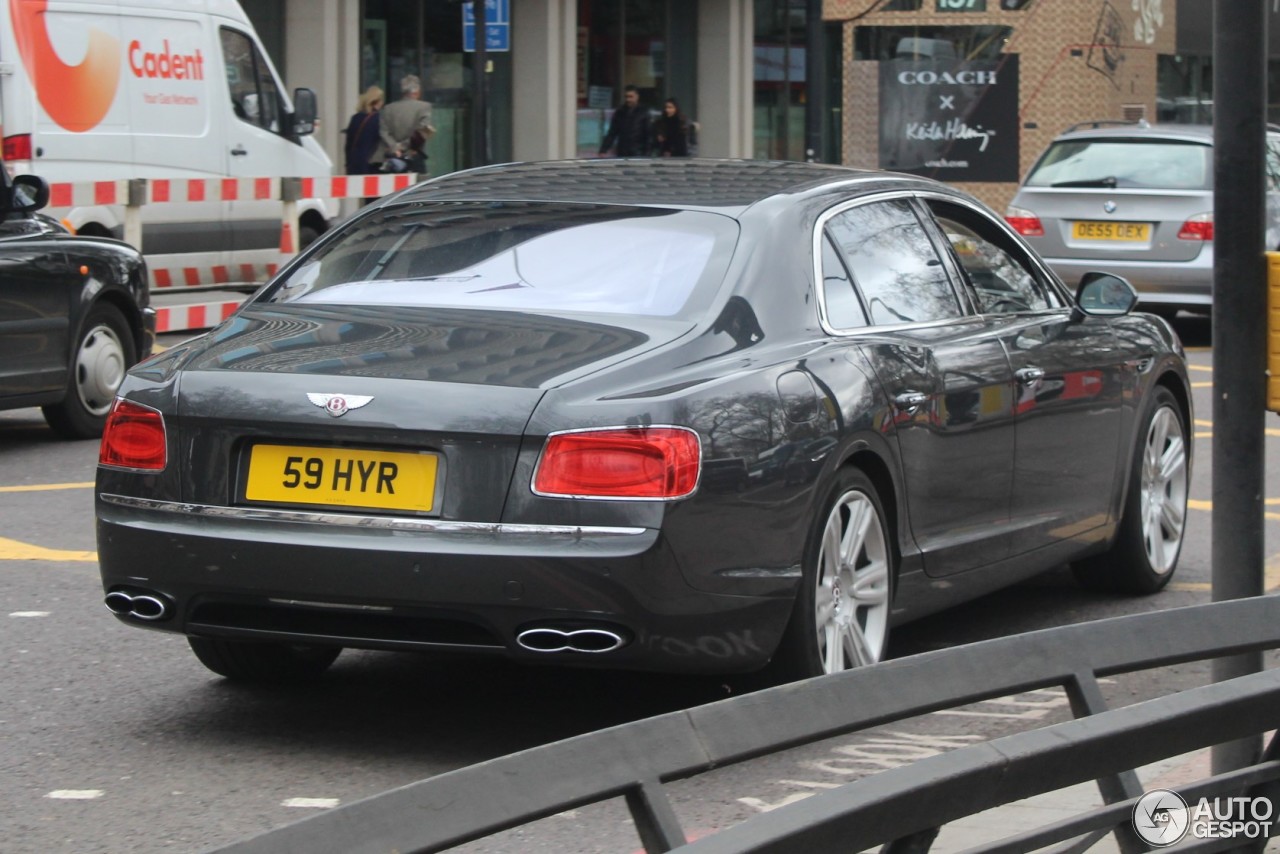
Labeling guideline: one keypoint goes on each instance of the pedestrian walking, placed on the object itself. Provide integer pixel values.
(629, 129)
(671, 131)
(406, 126)
(364, 146)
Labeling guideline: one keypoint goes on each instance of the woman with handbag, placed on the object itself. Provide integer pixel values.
(364, 146)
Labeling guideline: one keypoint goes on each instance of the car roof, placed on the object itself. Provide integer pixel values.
(728, 186)
(1099, 130)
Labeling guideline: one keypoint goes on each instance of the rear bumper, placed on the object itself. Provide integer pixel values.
(379, 583)
(1187, 284)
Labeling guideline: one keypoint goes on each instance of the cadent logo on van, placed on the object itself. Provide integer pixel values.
(78, 96)
(165, 64)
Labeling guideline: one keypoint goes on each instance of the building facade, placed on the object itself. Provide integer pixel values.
(971, 91)
(968, 91)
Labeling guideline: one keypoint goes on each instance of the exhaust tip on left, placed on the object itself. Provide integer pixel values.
(140, 605)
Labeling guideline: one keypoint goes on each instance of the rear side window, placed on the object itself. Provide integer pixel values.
(893, 263)
(1141, 164)
(522, 256)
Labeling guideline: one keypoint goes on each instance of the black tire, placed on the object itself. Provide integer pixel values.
(812, 644)
(1145, 552)
(263, 662)
(307, 234)
(104, 351)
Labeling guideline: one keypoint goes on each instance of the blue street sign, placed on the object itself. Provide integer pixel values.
(497, 26)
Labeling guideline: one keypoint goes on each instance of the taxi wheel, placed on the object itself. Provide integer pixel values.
(841, 614)
(104, 352)
(258, 661)
(1145, 553)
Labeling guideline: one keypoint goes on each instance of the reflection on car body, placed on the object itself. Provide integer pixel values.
(615, 414)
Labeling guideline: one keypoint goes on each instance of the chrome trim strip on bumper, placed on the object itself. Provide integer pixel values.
(383, 523)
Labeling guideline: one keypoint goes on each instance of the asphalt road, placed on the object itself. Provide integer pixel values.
(113, 739)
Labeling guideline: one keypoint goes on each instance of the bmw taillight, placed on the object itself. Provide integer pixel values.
(133, 438)
(621, 463)
(1198, 227)
(1024, 222)
(17, 147)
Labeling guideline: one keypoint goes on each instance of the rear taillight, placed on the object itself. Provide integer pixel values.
(1198, 227)
(133, 438)
(619, 462)
(1024, 222)
(17, 147)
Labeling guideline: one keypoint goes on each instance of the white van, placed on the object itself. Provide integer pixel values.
(97, 90)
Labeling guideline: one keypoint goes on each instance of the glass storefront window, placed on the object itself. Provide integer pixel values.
(779, 79)
(629, 43)
(424, 38)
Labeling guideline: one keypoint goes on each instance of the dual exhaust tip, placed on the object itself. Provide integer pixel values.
(592, 639)
(151, 607)
(140, 605)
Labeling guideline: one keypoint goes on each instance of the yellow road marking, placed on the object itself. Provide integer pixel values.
(1208, 506)
(1200, 422)
(1205, 368)
(1202, 385)
(14, 550)
(43, 487)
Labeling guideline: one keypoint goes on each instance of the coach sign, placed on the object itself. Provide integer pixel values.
(955, 121)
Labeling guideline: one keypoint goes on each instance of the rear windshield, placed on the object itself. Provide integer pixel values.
(523, 256)
(1142, 164)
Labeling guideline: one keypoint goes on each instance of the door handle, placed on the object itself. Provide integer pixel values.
(239, 151)
(1027, 376)
(910, 401)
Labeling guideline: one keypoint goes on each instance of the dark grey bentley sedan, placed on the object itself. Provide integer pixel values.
(681, 415)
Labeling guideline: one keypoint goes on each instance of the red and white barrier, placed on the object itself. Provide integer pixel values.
(179, 318)
(193, 271)
(176, 278)
(357, 186)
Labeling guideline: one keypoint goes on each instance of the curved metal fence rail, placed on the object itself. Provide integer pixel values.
(902, 807)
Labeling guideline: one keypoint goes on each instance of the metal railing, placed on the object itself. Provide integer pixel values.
(902, 807)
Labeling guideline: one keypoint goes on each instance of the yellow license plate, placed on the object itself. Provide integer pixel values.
(1132, 231)
(342, 477)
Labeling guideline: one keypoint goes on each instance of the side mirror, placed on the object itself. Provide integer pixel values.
(30, 193)
(1105, 295)
(304, 111)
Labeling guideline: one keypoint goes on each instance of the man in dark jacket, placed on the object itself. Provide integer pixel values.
(629, 128)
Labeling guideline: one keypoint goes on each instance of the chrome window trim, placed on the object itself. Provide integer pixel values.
(816, 251)
(485, 530)
(1068, 300)
(1056, 284)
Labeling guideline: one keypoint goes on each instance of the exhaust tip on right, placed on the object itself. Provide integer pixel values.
(550, 639)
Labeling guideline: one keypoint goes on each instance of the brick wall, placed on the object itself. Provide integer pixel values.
(1080, 60)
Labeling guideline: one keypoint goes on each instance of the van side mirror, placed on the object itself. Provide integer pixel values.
(304, 111)
(30, 193)
(1105, 295)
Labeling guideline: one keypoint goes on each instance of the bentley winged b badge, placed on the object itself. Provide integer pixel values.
(338, 404)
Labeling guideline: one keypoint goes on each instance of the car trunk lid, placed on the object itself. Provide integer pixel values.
(312, 407)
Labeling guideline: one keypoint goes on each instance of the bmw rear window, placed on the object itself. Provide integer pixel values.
(521, 256)
(1110, 163)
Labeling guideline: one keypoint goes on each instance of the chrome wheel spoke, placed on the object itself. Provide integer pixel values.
(851, 590)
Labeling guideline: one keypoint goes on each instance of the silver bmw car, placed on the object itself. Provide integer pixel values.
(1135, 200)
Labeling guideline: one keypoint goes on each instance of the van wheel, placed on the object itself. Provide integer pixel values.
(103, 353)
(259, 661)
(1145, 553)
(841, 614)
